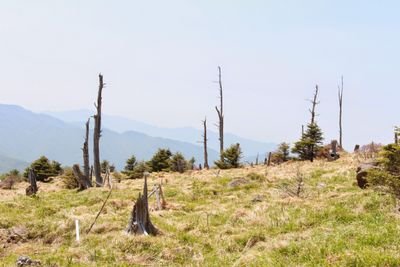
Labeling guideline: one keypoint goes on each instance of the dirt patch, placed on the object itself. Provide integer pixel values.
(238, 182)
(13, 235)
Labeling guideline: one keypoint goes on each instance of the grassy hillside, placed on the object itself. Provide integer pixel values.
(210, 223)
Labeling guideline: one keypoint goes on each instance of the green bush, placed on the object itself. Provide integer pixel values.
(44, 169)
(281, 154)
(309, 143)
(178, 163)
(68, 179)
(231, 157)
(160, 161)
(137, 171)
(389, 174)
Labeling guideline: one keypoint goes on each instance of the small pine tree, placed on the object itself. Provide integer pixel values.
(190, 163)
(231, 157)
(56, 166)
(160, 161)
(104, 165)
(281, 154)
(178, 163)
(134, 169)
(131, 163)
(388, 175)
(309, 143)
(44, 169)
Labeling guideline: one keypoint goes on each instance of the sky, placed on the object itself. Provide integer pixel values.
(159, 60)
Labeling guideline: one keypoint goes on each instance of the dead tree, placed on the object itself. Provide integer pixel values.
(396, 138)
(257, 159)
(340, 96)
(220, 112)
(205, 143)
(314, 104)
(85, 149)
(97, 135)
(139, 222)
(83, 180)
(32, 188)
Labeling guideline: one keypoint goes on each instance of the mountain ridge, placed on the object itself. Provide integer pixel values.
(27, 135)
(191, 135)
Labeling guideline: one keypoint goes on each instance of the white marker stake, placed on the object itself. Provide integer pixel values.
(77, 230)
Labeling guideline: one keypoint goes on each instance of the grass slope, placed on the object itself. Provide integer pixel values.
(209, 223)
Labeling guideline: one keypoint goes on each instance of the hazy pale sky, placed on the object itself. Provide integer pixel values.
(160, 58)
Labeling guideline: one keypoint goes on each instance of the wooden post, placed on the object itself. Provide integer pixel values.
(77, 230)
(269, 158)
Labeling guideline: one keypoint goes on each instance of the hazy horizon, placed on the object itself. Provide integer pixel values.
(159, 60)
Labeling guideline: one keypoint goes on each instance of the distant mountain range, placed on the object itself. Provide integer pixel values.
(7, 164)
(26, 135)
(186, 134)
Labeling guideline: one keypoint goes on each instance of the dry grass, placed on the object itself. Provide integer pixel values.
(209, 223)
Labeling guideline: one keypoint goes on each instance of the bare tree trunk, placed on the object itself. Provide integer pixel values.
(340, 95)
(86, 167)
(257, 159)
(220, 112)
(205, 144)
(97, 135)
(84, 181)
(396, 138)
(314, 104)
(91, 174)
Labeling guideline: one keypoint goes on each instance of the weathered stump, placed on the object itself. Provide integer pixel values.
(333, 155)
(84, 182)
(139, 222)
(362, 172)
(32, 188)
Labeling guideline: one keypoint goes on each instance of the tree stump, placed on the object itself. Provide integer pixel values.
(32, 188)
(333, 155)
(139, 222)
(356, 148)
(84, 182)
